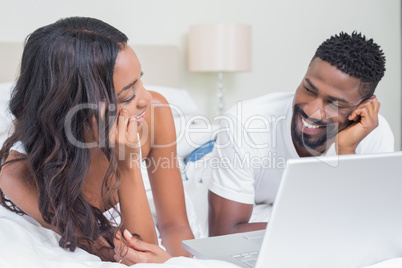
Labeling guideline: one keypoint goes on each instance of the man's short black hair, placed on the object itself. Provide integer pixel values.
(356, 56)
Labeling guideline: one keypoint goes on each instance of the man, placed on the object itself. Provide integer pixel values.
(334, 111)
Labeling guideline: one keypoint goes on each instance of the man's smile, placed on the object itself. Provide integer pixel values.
(307, 125)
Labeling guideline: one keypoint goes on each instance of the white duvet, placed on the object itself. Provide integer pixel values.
(24, 243)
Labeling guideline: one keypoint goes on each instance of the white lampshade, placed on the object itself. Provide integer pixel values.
(223, 47)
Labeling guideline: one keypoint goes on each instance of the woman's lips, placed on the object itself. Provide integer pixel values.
(140, 118)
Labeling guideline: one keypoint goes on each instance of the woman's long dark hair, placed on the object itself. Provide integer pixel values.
(66, 66)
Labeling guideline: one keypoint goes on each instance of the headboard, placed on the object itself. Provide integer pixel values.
(162, 65)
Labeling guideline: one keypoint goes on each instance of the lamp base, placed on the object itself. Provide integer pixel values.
(220, 94)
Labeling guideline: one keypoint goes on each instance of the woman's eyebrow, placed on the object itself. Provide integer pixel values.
(127, 87)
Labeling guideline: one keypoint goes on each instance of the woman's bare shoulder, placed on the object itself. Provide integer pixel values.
(158, 98)
(14, 175)
(17, 184)
(14, 166)
(159, 114)
(160, 124)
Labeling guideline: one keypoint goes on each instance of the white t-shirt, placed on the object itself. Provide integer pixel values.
(254, 144)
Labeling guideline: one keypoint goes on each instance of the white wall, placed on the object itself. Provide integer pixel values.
(285, 36)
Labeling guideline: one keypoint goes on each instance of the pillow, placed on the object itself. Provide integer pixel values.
(6, 118)
(179, 99)
(5, 90)
(192, 132)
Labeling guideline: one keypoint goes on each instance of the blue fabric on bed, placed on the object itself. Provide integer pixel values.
(200, 152)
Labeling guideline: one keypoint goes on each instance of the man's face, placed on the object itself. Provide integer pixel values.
(323, 101)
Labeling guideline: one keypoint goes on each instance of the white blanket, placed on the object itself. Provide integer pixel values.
(24, 243)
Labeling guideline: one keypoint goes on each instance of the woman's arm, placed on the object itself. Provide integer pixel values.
(135, 210)
(165, 179)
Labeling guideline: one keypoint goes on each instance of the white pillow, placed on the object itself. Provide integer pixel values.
(5, 90)
(179, 99)
(6, 118)
(192, 132)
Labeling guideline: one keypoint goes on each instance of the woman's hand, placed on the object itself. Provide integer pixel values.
(138, 251)
(124, 136)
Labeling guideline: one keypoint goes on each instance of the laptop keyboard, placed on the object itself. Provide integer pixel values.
(248, 259)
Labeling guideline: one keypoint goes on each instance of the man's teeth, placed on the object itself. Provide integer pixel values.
(307, 125)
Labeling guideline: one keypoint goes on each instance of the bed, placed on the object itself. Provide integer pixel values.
(24, 243)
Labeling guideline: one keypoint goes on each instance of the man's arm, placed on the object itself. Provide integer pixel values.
(227, 217)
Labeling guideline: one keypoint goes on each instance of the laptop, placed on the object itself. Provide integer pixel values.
(338, 211)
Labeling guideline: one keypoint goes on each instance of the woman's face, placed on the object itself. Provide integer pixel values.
(130, 92)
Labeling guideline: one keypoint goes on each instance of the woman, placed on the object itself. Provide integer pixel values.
(83, 124)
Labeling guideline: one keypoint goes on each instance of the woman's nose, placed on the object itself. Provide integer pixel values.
(144, 98)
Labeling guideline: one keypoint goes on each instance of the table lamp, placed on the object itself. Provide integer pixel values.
(221, 47)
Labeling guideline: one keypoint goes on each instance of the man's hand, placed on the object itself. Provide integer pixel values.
(365, 118)
(138, 251)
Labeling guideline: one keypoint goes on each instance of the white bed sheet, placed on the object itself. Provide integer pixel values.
(24, 243)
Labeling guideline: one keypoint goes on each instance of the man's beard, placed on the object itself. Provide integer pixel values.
(309, 142)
